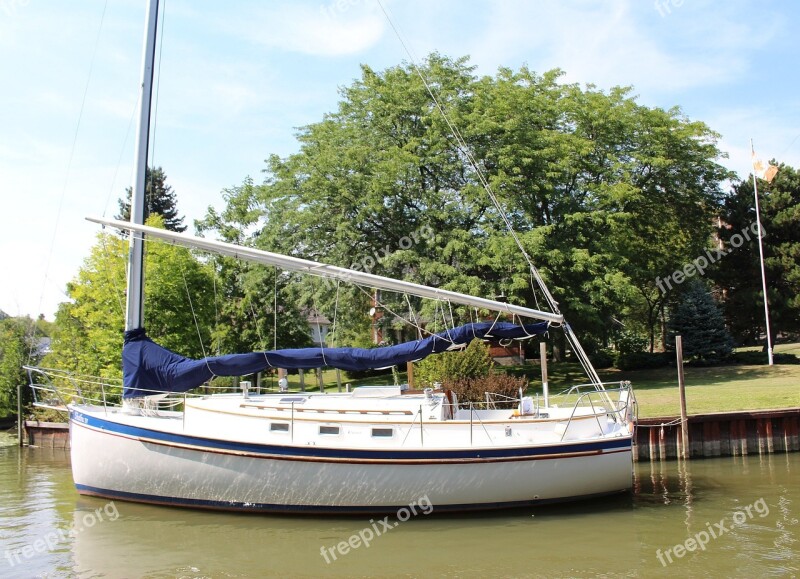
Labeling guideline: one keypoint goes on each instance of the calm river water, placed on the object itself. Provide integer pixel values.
(744, 511)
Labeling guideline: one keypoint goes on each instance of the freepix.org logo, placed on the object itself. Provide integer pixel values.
(699, 265)
(701, 539)
(365, 536)
(49, 541)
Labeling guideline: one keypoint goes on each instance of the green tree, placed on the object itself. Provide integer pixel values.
(699, 321)
(255, 301)
(738, 273)
(17, 348)
(606, 194)
(159, 198)
(179, 306)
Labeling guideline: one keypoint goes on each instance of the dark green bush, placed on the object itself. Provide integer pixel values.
(761, 358)
(602, 359)
(644, 360)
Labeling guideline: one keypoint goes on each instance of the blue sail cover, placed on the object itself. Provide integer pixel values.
(148, 368)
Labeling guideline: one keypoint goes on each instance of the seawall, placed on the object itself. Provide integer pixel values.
(720, 434)
(47, 434)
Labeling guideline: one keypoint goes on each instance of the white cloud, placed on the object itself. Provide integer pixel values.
(333, 28)
(614, 44)
(772, 136)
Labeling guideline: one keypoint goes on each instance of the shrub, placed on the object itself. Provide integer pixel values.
(643, 360)
(474, 389)
(602, 359)
(472, 362)
(629, 342)
(761, 358)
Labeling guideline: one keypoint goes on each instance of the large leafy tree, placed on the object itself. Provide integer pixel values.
(255, 309)
(738, 273)
(607, 194)
(610, 194)
(159, 198)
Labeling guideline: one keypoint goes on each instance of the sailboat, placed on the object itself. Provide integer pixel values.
(372, 449)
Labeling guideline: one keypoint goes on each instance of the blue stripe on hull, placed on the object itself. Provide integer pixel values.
(316, 509)
(315, 452)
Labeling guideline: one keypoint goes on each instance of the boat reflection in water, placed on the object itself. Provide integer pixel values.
(671, 502)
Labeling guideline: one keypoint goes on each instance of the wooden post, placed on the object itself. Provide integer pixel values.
(319, 380)
(339, 379)
(302, 374)
(545, 388)
(682, 393)
(19, 414)
(410, 370)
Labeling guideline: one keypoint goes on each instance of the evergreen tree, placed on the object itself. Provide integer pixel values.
(739, 273)
(159, 198)
(701, 324)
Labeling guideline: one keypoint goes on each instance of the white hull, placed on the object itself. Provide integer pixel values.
(118, 461)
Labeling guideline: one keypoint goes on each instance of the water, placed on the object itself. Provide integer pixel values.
(745, 511)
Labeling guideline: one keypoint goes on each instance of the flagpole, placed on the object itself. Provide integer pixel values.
(761, 255)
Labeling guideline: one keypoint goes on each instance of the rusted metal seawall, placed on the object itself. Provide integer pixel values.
(720, 434)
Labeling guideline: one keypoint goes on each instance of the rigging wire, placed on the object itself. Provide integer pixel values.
(464, 150)
(462, 147)
(317, 314)
(196, 323)
(412, 316)
(379, 303)
(216, 308)
(68, 171)
(111, 279)
(121, 155)
(162, 26)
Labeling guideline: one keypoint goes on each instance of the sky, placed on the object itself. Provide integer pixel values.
(238, 78)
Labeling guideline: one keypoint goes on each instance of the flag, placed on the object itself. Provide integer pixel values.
(763, 170)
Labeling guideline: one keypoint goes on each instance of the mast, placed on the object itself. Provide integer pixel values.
(290, 263)
(134, 317)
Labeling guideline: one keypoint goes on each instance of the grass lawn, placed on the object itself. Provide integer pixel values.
(715, 389)
(719, 388)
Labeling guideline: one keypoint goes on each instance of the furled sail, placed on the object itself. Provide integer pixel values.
(149, 368)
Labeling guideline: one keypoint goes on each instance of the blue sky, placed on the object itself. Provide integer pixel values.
(237, 79)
